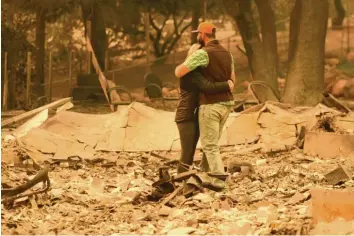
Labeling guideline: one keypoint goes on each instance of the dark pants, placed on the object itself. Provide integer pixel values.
(189, 135)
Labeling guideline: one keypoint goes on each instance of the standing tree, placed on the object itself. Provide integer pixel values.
(41, 14)
(92, 10)
(261, 51)
(308, 27)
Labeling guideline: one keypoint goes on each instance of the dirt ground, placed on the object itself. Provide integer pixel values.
(111, 196)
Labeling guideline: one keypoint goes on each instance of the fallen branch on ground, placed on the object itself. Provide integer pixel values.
(14, 193)
(171, 196)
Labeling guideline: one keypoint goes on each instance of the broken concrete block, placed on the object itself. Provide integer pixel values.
(303, 211)
(328, 145)
(177, 213)
(282, 209)
(204, 198)
(138, 216)
(215, 205)
(181, 231)
(328, 204)
(261, 162)
(240, 227)
(165, 211)
(263, 203)
(132, 195)
(266, 215)
(336, 227)
(192, 222)
(57, 193)
(297, 198)
(224, 205)
(338, 175)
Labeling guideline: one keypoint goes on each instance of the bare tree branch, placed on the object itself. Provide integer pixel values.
(175, 23)
(165, 44)
(173, 43)
(159, 33)
(159, 51)
(152, 23)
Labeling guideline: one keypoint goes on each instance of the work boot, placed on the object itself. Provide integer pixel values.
(217, 184)
(219, 175)
(211, 183)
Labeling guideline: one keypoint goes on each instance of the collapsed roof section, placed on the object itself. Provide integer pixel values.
(141, 128)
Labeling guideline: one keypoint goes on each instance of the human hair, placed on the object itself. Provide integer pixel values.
(212, 35)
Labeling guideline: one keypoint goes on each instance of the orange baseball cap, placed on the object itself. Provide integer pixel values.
(205, 27)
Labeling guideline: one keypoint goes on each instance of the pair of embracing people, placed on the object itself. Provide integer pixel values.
(206, 80)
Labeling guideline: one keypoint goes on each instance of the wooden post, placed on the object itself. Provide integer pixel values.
(6, 84)
(88, 27)
(70, 70)
(147, 38)
(28, 80)
(50, 77)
